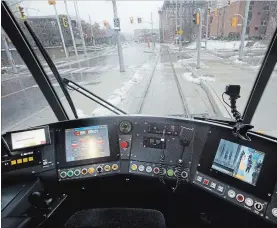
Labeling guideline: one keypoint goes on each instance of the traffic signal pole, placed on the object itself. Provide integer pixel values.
(247, 3)
(199, 38)
(70, 28)
(60, 29)
(117, 34)
(207, 26)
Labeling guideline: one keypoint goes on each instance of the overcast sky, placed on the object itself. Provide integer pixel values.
(102, 10)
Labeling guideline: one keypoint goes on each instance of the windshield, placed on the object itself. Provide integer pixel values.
(166, 58)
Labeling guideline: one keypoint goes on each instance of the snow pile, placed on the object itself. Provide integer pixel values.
(259, 45)
(120, 94)
(218, 45)
(188, 76)
(81, 114)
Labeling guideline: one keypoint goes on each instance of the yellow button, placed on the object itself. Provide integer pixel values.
(107, 168)
(91, 170)
(134, 167)
(31, 158)
(19, 161)
(13, 162)
(114, 167)
(25, 159)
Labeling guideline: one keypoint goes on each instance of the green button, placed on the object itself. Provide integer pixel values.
(70, 173)
(170, 172)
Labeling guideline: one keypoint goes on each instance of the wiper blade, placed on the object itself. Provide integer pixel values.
(216, 120)
(53, 69)
(103, 102)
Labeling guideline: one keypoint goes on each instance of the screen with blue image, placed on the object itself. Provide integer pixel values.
(241, 162)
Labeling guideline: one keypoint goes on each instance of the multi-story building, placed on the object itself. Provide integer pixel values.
(185, 11)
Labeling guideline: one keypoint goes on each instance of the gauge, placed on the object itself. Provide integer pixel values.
(125, 127)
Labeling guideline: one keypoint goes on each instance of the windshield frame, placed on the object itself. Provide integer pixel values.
(20, 42)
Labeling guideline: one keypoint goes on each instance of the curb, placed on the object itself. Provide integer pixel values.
(216, 103)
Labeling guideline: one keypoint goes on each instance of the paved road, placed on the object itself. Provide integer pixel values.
(22, 99)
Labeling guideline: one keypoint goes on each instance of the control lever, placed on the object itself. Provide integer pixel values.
(40, 201)
(186, 135)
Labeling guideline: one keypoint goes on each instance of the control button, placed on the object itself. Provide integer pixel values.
(220, 188)
(240, 198)
(115, 167)
(175, 173)
(232, 194)
(156, 170)
(206, 182)
(91, 170)
(184, 174)
(70, 173)
(77, 172)
(163, 171)
(249, 202)
(19, 161)
(258, 206)
(84, 171)
(99, 169)
(134, 167)
(213, 185)
(13, 162)
(199, 178)
(148, 169)
(107, 168)
(170, 172)
(63, 174)
(31, 159)
(274, 212)
(26, 160)
(124, 144)
(141, 168)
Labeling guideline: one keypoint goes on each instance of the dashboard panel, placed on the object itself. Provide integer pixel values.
(170, 149)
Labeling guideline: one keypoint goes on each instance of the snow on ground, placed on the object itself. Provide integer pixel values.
(120, 94)
(189, 77)
(218, 45)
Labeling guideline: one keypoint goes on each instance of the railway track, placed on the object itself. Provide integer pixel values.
(179, 91)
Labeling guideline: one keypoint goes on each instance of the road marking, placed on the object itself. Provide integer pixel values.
(78, 70)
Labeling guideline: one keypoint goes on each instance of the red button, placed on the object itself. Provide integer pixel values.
(124, 144)
(240, 198)
(156, 170)
(206, 182)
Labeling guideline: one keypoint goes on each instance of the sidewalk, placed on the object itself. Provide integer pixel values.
(223, 73)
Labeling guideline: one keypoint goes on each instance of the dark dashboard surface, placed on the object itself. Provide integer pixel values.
(169, 149)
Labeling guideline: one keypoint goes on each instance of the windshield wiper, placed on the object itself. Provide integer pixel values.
(53, 69)
(63, 82)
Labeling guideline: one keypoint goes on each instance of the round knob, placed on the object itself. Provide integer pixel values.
(124, 144)
(99, 169)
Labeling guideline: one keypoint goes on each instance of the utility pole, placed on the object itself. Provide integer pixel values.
(199, 38)
(60, 29)
(180, 35)
(80, 28)
(70, 28)
(117, 34)
(176, 20)
(8, 53)
(152, 31)
(247, 3)
(207, 26)
(92, 35)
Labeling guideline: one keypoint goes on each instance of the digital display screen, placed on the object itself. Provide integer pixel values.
(241, 162)
(27, 139)
(87, 143)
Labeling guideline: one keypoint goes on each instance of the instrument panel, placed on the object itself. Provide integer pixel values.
(168, 149)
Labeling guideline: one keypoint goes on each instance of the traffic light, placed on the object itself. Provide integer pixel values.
(139, 20)
(216, 12)
(21, 12)
(64, 22)
(105, 23)
(229, 2)
(209, 11)
(234, 22)
(131, 20)
(196, 18)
